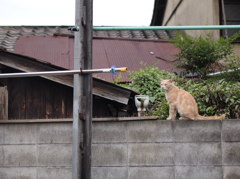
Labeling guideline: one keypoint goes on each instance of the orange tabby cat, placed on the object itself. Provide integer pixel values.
(182, 102)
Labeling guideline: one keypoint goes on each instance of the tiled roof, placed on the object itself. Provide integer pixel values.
(10, 34)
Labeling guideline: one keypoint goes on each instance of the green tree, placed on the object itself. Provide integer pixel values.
(201, 54)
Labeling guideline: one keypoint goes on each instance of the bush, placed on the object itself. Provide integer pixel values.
(146, 81)
(202, 54)
(213, 97)
(216, 97)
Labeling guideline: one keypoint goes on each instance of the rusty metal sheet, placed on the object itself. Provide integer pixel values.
(58, 50)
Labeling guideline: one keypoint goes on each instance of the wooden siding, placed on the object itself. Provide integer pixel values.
(33, 98)
(39, 98)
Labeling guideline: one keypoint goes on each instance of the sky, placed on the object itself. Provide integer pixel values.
(62, 12)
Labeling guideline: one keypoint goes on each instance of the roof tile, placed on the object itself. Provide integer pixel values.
(14, 32)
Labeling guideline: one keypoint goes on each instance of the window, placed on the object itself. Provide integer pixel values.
(232, 15)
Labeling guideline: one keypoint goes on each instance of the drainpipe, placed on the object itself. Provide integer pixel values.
(224, 18)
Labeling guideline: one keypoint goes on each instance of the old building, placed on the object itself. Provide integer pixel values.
(197, 12)
(49, 97)
(44, 48)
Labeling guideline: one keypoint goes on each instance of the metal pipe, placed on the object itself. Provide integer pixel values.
(224, 17)
(41, 73)
(204, 27)
(221, 72)
(63, 72)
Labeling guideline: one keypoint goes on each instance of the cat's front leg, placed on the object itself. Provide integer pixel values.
(172, 112)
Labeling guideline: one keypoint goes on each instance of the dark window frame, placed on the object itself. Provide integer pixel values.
(230, 17)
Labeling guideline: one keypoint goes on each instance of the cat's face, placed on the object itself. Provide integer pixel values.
(165, 84)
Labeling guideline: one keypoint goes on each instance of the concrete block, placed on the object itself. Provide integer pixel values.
(55, 133)
(54, 173)
(20, 155)
(197, 131)
(186, 153)
(2, 132)
(151, 154)
(109, 155)
(55, 155)
(1, 156)
(151, 173)
(109, 173)
(231, 172)
(21, 134)
(150, 131)
(231, 153)
(200, 172)
(231, 131)
(198, 154)
(18, 173)
(109, 132)
(210, 154)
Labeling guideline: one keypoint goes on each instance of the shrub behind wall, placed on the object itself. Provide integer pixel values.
(214, 97)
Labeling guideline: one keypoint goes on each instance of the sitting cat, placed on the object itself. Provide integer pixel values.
(182, 102)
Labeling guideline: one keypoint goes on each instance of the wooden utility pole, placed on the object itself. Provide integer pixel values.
(82, 102)
(3, 103)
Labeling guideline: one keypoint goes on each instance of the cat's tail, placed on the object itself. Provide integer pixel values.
(211, 117)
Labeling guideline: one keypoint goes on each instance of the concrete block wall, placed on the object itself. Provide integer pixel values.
(125, 150)
(35, 151)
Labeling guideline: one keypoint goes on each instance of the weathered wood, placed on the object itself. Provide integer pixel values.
(117, 94)
(87, 8)
(3, 103)
(37, 98)
(16, 98)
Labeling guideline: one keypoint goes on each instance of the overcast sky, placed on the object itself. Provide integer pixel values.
(62, 12)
